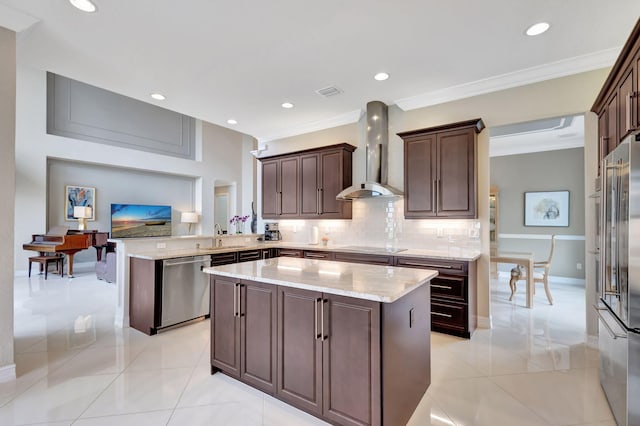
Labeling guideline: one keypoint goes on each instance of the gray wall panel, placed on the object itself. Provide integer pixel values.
(81, 111)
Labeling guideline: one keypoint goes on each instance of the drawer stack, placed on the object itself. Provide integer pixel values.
(453, 294)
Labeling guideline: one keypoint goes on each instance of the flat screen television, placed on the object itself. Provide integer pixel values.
(139, 221)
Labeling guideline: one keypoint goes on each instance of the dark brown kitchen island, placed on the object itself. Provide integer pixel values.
(348, 343)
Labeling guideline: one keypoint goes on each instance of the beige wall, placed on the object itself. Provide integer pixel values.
(7, 193)
(563, 96)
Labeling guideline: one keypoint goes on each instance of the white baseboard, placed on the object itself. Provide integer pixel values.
(484, 322)
(7, 373)
(553, 278)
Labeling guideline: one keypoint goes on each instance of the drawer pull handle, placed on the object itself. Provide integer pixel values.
(441, 315)
(442, 286)
(318, 256)
(428, 265)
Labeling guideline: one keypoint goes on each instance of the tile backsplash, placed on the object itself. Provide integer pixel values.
(381, 222)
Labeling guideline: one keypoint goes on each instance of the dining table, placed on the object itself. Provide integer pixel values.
(519, 258)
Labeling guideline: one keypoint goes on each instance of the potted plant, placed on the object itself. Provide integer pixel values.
(238, 222)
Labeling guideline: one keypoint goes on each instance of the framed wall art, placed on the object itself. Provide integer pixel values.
(79, 196)
(549, 208)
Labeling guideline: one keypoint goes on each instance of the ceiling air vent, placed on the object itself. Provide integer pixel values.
(328, 91)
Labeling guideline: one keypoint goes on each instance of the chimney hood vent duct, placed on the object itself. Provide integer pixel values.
(377, 154)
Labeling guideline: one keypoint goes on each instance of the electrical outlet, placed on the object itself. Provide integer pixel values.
(161, 245)
(579, 266)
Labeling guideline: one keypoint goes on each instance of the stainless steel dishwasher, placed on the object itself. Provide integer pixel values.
(185, 289)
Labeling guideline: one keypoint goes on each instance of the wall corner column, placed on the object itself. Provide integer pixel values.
(7, 192)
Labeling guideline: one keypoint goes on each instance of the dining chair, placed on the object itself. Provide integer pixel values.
(540, 274)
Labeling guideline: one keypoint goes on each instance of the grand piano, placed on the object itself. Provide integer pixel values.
(61, 239)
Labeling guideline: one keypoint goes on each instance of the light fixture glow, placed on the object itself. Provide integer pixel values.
(231, 121)
(84, 5)
(287, 105)
(381, 76)
(158, 96)
(537, 29)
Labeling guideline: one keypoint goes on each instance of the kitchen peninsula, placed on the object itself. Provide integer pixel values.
(346, 342)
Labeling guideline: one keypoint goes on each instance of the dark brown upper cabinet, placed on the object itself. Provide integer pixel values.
(304, 184)
(280, 188)
(440, 172)
(618, 103)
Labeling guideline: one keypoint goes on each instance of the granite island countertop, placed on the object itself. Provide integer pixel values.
(450, 253)
(371, 282)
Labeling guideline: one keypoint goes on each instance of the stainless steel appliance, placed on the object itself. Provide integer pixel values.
(619, 285)
(185, 289)
(271, 232)
(377, 147)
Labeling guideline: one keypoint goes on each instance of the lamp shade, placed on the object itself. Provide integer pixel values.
(189, 217)
(82, 212)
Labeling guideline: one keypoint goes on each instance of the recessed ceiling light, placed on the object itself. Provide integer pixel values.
(158, 96)
(537, 29)
(287, 105)
(381, 76)
(84, 5)
(232, 121)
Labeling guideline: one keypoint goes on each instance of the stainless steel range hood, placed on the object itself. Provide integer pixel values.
(377, 148)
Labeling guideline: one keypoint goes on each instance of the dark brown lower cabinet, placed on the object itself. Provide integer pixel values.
(348, 361)
(453, 294)
(350, 335)
(317, 254)
(299, 349)
(329, 355)
(289, 253)
(243, 331)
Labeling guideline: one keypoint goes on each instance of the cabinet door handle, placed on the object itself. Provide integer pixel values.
(235, 299)
(428, 265)
(240, 314)
(442, 286)
(628, 112)
(324, 303)
(318, 201)
(320, 209)
(441, 315)
(279, 203)
(315, 319)
(434, 197)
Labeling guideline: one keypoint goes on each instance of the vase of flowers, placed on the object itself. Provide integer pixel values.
(238, 222)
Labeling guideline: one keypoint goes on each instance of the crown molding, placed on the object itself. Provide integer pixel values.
(340, 120)
(562, 68)
(15, 20)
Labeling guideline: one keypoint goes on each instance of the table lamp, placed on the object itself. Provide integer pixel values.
(82, 213)
(190, 218)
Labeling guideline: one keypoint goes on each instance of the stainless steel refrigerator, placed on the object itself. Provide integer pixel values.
(619, 282)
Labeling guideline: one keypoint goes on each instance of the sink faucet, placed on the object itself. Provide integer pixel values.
(217, 229)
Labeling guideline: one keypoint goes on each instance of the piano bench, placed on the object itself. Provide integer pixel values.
(44, 261)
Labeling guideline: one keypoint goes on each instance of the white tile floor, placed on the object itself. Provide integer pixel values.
(74, 367)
